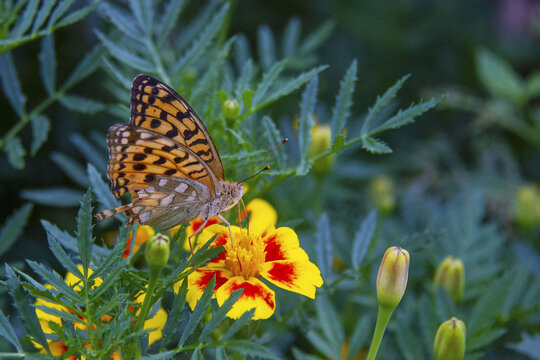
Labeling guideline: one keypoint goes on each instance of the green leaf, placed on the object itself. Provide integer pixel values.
(52, 278)
(61, 197)
(89, 64)
(222, 96)
(533, 85)
(25, 310)
(363, 238)
(249, 348)
(26, 19)
(172, 12)
(291, 37)
(40, 132)
(47, 63)
(306, 121)
(62, 256)
(60, 10)
(483, 338)
(81, 104)
(498, 77)
(220, 315)
(292, 85)
(173, 319)
(63, 237)
(316, 38)
(408, 115)
(13, 227)
(125, 56)
(77, 15)
(71, 168)
(266, 46)
(268, 79)
(274, 137)
(89, 151)
(15, 152)
(200, 46)
(381, 103)
(11, 84)
(322, 344)
(323, 245)
(238, 324)
(528, 345)
(329, 322)
(44, 11)
(122, 20)
(247, 98)
(375, 146)
(199, 311)
(359, 337)
(100, 188)
(84, 229)
(7, 332)
(341, 110)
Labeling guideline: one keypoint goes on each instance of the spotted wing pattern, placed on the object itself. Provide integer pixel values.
(138, 157)
(157, 107)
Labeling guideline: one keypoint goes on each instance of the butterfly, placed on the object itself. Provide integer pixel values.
(167, 160)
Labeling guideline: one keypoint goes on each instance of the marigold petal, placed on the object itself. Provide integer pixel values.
(75, 282)
(156, 323)
(221, 239)
(302, 277)
(282, 244)
(199, 279)
(261, 215)
(256, 296)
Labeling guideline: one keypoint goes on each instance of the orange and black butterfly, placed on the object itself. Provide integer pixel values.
(167, 160)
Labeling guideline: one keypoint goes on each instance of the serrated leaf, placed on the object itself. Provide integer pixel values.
(47, 63)
(271, 132)
(100, 188)
(342, 108)
(60, 10)
(122, 20)
(85, 67)
(268, 79)
(239, 324)
(15, 152)
(40, 132)
(71, 168)
(62, 256)
(77, 15)
(249, 348)
(329, 322)
(84, 229)
(363, 238)
(375, 146)
(203, 41)
(316, 38)
(25, 19)
(123, 55)
(291, 37)
(324, 245)
(64, 238)
(11, 84)
(304, 167)
(381, 103)
(321, 344)
(292, 85)
(81, 104)
(161, 356)
(529, 346)
(7, 332)
(173, 319)
(44, 11)
(172, 12)
(61, 197)
(219, 315)
(498, 77)
(306, 121)
(266, 46)
(52, 278)
(13, 227)
(199, 311)
(247, 98)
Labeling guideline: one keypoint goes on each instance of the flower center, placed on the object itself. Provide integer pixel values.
(247, 255)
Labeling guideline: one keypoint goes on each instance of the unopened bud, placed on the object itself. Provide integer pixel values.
(321, 139)
(451, 276)
(527, 200)
(382, 194)
(392, 276)
(449, 342)
(157, 250)
(231, 109)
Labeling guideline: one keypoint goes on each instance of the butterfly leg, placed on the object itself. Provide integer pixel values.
(195, 233)
(228, 225)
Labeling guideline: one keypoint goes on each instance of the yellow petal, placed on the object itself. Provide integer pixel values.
(199, 279)
(157, 323)
(261, 215)
(302, 277)
(256, 296)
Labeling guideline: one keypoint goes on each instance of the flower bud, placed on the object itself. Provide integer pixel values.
(527, 200)
(157, 250)
(321, 138)
(231, 109)
(392, 276)
(449, 342)
(451, 276)
(382, 194)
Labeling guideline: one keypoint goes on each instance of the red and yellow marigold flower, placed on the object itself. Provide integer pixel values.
(57, 347)
(272, 254)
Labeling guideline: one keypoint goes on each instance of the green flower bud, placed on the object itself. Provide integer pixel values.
(157, 250)
(449, 342)
(321, 137)
(231, 109)
(527, 200)
(382, 194)
(392, 276)
(451, 276)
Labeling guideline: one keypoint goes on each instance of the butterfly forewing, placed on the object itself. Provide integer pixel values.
(157, 107)
(139, 156)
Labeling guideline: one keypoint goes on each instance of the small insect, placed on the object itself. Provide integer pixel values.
(167, 160)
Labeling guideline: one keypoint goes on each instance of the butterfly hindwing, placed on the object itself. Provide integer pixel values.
(139, 156)
(157, 107)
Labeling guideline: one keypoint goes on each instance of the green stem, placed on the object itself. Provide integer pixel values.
(154, 274)
(383, 315)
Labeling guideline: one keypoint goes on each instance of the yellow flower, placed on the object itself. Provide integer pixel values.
(156, 323)
(273, 254)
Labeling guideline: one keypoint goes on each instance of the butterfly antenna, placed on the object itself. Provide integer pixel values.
(267, 167)
(271, 152)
